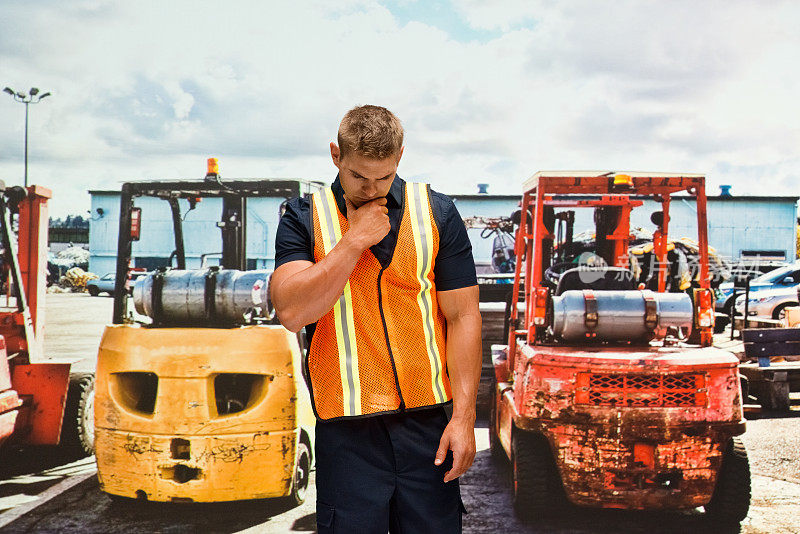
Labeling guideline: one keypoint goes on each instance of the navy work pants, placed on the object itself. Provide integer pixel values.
(376, 475)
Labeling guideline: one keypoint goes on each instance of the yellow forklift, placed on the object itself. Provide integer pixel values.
(198, 394)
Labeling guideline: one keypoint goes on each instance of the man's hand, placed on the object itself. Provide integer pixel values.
(458, 436)
(369, 224)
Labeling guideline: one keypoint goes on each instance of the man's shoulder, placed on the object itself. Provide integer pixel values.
(442, 205)
(296, 209)
(440, 197)
(298, 203)
(295, 214)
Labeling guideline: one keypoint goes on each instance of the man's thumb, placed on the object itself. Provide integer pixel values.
(444, 443)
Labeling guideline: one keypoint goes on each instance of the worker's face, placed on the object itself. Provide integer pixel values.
(364, 179)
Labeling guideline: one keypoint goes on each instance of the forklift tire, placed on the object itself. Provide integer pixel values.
(731, 499)
(538, 491)
(302, 473)
(780, 312)
(77, 429)
(495, 447)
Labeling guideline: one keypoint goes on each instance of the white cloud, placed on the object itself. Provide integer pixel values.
(150, 89)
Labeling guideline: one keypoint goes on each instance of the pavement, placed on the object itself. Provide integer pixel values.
(41, 492)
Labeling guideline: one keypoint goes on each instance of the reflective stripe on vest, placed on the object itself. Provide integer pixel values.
(423, 238)
(325, 205)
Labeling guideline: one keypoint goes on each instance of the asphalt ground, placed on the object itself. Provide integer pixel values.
(41, 492)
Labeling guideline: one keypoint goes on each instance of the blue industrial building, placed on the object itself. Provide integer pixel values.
(202, 236)
(739, 227)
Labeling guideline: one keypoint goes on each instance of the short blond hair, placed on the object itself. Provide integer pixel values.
(370, 131)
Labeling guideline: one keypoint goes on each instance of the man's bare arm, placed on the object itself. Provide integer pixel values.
(302, 291)
(460, 308)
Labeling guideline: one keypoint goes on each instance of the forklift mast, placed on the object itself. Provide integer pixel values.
(232, 224)
(612, 196)
(23, 326)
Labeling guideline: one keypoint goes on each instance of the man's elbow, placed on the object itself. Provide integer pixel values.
(290, 321)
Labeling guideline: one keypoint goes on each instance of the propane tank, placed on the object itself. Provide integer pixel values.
(203, 297)
(619, 315)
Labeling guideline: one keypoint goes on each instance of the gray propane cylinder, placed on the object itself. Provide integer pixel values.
(620, 314)
(203, 296)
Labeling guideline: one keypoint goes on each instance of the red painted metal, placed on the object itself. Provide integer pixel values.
(635, 427)
(32, 390)
(32, 253)
(43, 389)
(594, 445)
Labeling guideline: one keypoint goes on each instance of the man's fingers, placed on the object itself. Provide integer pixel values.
(459, 466)
(444, 445)
(380, 201)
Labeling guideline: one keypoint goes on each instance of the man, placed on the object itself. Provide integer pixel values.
(381, 273)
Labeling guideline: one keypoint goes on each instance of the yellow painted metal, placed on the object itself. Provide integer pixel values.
(166, 440)
(792, 317)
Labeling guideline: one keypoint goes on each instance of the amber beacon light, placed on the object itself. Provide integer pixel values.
(213, 167)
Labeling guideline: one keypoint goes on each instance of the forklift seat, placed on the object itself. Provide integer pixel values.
(597, 278)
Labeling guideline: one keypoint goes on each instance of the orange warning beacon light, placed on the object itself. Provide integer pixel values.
(213, 167)
(622, 182)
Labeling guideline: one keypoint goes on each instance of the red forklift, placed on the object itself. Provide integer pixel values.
(41, 403)
(609, 393)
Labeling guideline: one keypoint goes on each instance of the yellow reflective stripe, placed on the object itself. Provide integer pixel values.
(419, 211)
(331, 230)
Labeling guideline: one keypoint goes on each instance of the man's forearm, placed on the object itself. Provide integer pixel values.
(305, 296)
(464, 362)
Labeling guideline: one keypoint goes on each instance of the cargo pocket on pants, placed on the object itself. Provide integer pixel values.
(325, 514)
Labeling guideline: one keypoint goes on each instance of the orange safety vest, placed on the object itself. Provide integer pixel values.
(381, 348)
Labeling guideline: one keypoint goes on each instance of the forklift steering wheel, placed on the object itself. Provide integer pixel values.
(554, 272)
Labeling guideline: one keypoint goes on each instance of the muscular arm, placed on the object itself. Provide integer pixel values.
(460, 308)
(302, 291)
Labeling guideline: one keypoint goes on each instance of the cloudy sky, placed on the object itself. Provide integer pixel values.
(487, 91)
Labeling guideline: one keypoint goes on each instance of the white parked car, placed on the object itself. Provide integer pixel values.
(107, 283)
(769, 303)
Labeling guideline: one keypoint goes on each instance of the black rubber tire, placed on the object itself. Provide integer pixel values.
(302, 474)
(538, 491)
(495, 447)
(776, 313)
(720, 323)
(731, 499)
(726, 308)
(93, 291)
(77, 429)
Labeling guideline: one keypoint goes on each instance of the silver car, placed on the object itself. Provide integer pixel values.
(769, 303)
(104, 284)
(108, 282)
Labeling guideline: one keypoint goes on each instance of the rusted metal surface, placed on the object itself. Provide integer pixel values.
(170, 427)
(630, 424)
(213, 468)
(628, 455)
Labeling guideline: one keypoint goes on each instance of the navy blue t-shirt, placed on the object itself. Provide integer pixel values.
(454, 267)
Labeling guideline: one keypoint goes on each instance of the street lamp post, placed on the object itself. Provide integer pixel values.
(33, 97)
